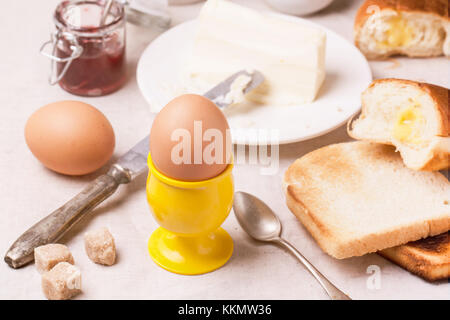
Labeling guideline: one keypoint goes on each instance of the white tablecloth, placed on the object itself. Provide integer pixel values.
(29, 191)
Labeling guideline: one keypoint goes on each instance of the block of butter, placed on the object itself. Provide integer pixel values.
(290, 54)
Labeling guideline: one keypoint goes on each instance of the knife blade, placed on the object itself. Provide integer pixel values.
(129, 166)
(218, 94)
(134, 162)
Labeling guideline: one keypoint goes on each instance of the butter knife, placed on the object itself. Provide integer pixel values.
(126, 169)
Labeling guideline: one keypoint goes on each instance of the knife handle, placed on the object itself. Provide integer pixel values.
(54, 226)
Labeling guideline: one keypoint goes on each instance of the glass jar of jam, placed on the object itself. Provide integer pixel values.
(88, 59)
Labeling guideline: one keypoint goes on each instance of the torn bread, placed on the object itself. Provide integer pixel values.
(428, 258)
(412, 116)
(358, 197)
(416, 28)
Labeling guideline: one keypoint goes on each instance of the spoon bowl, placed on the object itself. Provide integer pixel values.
(256, 218)
(261, 223)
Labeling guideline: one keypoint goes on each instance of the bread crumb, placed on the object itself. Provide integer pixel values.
(394, 63)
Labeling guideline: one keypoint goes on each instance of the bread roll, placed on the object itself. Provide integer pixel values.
(412, 116)
(416, 28)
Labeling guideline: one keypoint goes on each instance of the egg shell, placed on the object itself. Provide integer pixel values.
(70, 137)
(182, 113)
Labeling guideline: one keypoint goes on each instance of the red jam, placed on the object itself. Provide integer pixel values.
(99, 70)
(94, 56)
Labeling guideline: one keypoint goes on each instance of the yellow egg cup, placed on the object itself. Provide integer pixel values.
(190, 240)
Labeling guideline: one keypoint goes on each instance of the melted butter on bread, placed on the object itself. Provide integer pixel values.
(403, 27)
(398, 34)
(408, 125)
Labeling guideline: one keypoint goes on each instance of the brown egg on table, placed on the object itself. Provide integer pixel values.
(70, 137)
(189, 139)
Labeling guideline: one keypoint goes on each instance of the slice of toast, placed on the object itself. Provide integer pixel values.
(428, 258)
(358, 197)
(412, 116)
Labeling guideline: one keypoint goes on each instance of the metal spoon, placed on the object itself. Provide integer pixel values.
(261, 223)
(105, 13)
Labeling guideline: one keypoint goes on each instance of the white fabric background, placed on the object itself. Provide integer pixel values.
(28, 191)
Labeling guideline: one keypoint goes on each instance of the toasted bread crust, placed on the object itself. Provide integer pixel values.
(440, 96)
(438, 159)
(439, 8)
(428, 258)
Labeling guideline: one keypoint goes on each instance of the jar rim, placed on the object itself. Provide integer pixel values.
(61, 22)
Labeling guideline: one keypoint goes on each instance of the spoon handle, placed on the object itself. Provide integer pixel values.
(331, 290)
(105, 12)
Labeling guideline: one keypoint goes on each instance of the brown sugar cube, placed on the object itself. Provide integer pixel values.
(100, 247)
(62, 282)
(48, 256)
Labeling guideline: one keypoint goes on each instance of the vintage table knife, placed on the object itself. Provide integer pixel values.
(128, 167)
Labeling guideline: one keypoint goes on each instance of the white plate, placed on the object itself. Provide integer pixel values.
(348, 74)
